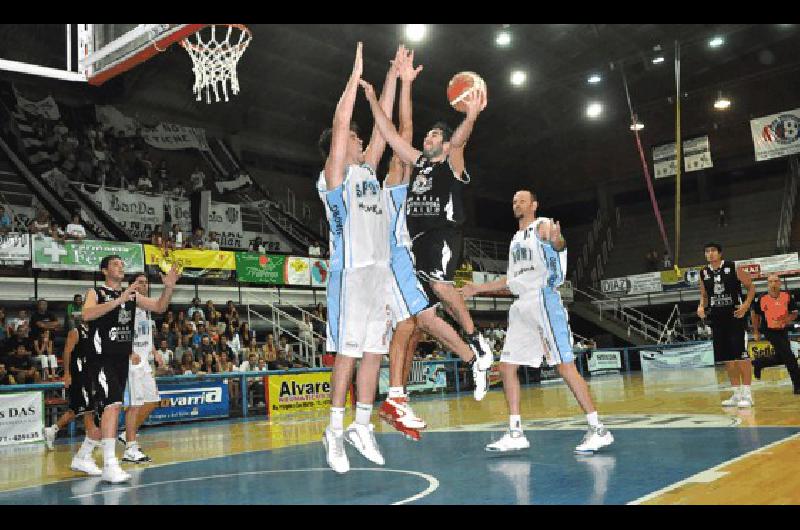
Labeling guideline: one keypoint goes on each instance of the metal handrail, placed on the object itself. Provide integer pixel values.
(307, 350)
(634, 319)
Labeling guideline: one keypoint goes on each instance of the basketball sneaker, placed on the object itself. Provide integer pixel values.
(481, 378)
(113, 473)
(362, 437)
(733, 400)
(334, 450)
(85, 465)
(122, 438)
(745, 401)
(511, 441)
(398, 409)
(50, 436)
(135, 455)
(483, 351)
(595, 438)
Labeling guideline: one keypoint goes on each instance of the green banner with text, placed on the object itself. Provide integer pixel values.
(84, 255)
(260, 268)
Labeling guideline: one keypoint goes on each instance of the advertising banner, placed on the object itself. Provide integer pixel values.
(260, 268)
(178, 211)
(319, 272)
(605, 361)
(84, 255)
(297, 271)
(110, 118)
(685, 278)
(46, 108)
(425, 376)
(664, 160)
(21, 418)
(136, 213)
(298, 392)
(636, 284)
(191, 401)
(759, 349)
(760, 268)
(696, 156)
(776, 135)
(695, 356)
(195, 263)
(223, 218)
(172, 136)
(15, 249)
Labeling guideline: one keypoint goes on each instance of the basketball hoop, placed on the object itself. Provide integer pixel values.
(214, 60)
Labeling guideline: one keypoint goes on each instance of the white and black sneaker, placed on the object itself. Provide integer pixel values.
(122, 438)
(135, 455)
(483, 351)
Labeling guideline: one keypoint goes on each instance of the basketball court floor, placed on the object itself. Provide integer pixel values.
(674, 445)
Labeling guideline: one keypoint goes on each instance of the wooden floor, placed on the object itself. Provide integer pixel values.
(667, 400)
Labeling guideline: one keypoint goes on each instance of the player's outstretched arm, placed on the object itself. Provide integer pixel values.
(92, 310)
(400, 173)
(334, 165)
(160, 305)
(377, 144)
(472, 289)
(402, 149)
(475, 103)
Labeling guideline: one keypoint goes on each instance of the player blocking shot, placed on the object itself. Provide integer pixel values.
(538, 324)
(110, 313)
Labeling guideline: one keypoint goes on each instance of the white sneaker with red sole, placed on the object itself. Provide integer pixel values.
(398, 409)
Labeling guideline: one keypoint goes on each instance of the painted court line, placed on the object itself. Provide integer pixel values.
(433, 483)
(711, 474)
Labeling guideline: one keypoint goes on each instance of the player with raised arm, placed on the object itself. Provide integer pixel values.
(359, 281)
(434, 215)
(110, 312)
(538, 324)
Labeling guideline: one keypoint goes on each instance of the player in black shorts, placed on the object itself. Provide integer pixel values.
(76, 351)
(110, 313)
(721, 301)
(435, 216)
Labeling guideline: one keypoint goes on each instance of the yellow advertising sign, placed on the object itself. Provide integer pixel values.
(190, 258)
(758, 349)
(300, 392)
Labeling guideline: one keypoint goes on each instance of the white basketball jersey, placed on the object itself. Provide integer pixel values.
(533, 264)
(356, 210)
(395, 206)
(143, 335)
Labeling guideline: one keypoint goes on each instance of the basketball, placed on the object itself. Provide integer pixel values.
(460, 86)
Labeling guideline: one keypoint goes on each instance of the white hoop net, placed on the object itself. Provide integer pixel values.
(214, 60)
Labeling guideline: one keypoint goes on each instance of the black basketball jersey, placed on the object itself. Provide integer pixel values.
(112, 333)
(82, 350)
(434, 197)
(723, 288)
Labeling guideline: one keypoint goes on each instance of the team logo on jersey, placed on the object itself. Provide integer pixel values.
(422, 183)
(727, 270)
(124, 316)
(718, 288)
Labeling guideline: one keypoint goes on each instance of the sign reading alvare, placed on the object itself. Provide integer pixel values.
(21, 418)
(298, 392)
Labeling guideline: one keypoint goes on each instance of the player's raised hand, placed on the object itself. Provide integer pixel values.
(397, 63)
(475, 102)
(172, 276)
(368, 90)
(358, 64)
(555, 232)
(128, 294)
(408, 73)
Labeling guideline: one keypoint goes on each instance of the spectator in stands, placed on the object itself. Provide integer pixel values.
(224, 347)
(43, 349)
(5, 377)
(268, 349)
(667, 262)
(197, 179)
(157, 238)
(22, 367)
(162, 175)
(55, 233)
(252, 347)
(176, 236)
(210, 364)
(305, 331)
(231, 313)
(180, 189)
(4, 333)
(22, 319)
(182, 347)
(213, 241)
(245, 335)
(75, 229)
(144, 183)
(204, 346)
(249, 365)
(197, 240)
(41, 224)
(42, 319)
(314, 250)
(195, 308)
(210, 310)
(181, 319)
(5, 221)
(188, 365)
(722, 221)
(167, 355)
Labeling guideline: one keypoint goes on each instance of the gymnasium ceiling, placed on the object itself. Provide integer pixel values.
(292, 76)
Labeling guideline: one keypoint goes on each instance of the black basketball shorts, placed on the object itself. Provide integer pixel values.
(730, 343)
(80, 390)
(109, 375)
(437, 254)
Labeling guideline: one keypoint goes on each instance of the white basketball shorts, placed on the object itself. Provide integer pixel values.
(359, 310)
(538, 328)
(141, 387)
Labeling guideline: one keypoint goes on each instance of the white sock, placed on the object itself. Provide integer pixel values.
(593, 420)
(363, 413)
(746, 390)
(396, 392)
(108, 450)
(86, 448)
(131, 445)
(337, 418)
(515, 422)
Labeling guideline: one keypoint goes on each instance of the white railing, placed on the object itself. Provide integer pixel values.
(483, 248)
(279, 320)
(787, 208)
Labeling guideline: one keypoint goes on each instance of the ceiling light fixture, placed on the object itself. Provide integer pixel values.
(594, 78)
(518, 77)
(503, 38)
(594, 110)
(658, 59)
(716, 42)
(416, 32)
(722, 102)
